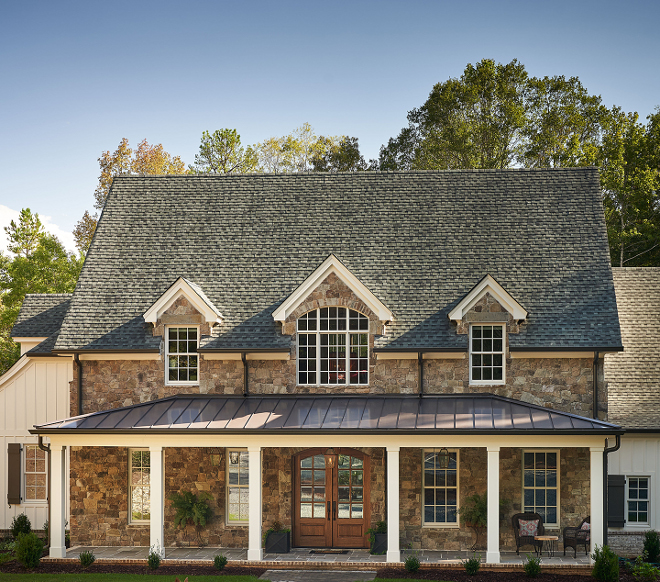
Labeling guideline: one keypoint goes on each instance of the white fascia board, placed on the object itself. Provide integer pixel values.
(178, 289)
(488, 285)
(332, 265)
(15, 369)
(20, 340)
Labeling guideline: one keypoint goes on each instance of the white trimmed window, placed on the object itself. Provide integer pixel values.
(541, 485)
(237, 486)
(182, 358)
(139, 479)
(637, 501)
(333, 347)
(440, 484)
(487, 354)
(36, 480)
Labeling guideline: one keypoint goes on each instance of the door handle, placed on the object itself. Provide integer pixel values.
(334, 510)
(328, 511)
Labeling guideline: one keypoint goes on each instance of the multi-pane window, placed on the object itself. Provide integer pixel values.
(440, 487)
(487, 354)
(638, 500)
(182, 359)
(333, 347)
(35, 473)
(237, 486)
(541, 484)
(139, 474)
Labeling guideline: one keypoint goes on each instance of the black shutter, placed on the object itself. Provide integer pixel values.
(616, 500)
(14, 474)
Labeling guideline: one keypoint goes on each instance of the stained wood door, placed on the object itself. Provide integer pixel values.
(331, 499)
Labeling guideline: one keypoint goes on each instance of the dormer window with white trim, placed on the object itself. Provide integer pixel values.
(333, 347)
(182, 358)
(487, 343)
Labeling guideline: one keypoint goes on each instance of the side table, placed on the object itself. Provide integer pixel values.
(548, 544)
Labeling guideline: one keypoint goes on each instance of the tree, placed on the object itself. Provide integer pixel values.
(40, 265)
(222, 153)
(344, 156)
(147, 159)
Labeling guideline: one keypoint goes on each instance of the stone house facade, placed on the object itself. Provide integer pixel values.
(454, 350)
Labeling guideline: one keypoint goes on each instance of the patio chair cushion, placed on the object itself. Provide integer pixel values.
(528, 527)
(587, 527)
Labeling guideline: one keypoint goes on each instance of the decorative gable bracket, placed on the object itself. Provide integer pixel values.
(488, 285)
(332, 265)
(193, 293)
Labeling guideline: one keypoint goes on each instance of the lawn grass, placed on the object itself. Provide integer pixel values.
(119, 578)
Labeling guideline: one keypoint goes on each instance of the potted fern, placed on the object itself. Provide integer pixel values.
(474, 514)
(191, 509)
(277, 539)
(378, 538)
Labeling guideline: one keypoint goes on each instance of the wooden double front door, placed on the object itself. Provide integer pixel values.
(331, 499)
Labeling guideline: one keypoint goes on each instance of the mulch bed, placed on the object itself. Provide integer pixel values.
(173, 571)
(487, 576)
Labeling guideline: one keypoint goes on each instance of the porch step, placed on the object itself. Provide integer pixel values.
(315, 576)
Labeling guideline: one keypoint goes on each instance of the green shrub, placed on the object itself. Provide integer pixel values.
(219, 562)
(644, 571)
(652, 546)
(532, 566)
(45, 528)
(87, 559)
(472, 564)
(606, 565)
(20, 525)
(8, 545)
(29, 549)
(153, 559)
(412, 563)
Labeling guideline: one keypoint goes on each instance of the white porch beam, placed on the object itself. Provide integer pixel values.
(493, 523)
(255, 551)
(58, 481)
(597, 497)
(157, 501)
(393, 513)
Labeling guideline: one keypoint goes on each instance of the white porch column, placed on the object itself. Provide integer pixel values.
(493, 526)
(393, 514)
(597, 496)
(157, 501)
(255, 551)
(58, 480)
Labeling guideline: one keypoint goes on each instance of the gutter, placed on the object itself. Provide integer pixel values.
(595, 386)
(76, 359)
(420, 373)
(606, 452)
(46, 449)
(245, 374)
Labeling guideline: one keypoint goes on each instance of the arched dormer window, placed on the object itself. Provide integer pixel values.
(333, 347)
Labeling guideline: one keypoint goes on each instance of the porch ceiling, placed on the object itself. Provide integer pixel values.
(324, 414)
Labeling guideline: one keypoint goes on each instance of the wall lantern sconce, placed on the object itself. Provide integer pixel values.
(233, 457)
(216, 457)
(443, 458)
(330, 458)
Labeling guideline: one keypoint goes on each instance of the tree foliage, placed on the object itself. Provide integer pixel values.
(221, 152)
(343, 156)
(40, 264)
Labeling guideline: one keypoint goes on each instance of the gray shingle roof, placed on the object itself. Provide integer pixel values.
(455, 414)
(634, 375)
(41, 314)
(418, 240)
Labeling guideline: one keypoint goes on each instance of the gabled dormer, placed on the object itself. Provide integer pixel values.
(488, 286)
(193, 294)
(332, 265)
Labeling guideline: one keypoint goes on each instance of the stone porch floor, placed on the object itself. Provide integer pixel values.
(303, 556)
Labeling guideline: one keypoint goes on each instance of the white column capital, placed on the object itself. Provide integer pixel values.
(597, 449)
(493, 448)
(393, 449)
(254, 449)
(155, 449)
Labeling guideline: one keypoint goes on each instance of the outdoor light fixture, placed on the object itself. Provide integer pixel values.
(330, 458)
(233, 457)
(216, 456)
(443, 458)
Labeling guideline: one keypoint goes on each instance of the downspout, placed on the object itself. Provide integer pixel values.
(595, 383)
(420, 373)
(245, 375)
(46, 449)
(606, 452)
(76, 359)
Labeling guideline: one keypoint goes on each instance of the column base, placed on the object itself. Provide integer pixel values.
(492, 557)
(393, 556)
(255, 555)
(57, 552)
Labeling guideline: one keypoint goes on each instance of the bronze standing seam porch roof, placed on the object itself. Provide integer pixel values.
(323, 414)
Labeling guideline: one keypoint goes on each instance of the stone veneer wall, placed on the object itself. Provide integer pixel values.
(99, 495)
(574, 495)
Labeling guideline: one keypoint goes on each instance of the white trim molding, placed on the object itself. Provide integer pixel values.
(488, 285)
(183, 287)
(331, 265)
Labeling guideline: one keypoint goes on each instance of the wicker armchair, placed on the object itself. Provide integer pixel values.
(527, 540)
(576, 536)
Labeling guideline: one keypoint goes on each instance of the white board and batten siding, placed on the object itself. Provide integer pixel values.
(33, 391)
(639, 456)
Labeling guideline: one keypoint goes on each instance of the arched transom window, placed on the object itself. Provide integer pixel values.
(333, 347)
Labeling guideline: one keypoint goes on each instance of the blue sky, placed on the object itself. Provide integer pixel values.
(76, 77)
